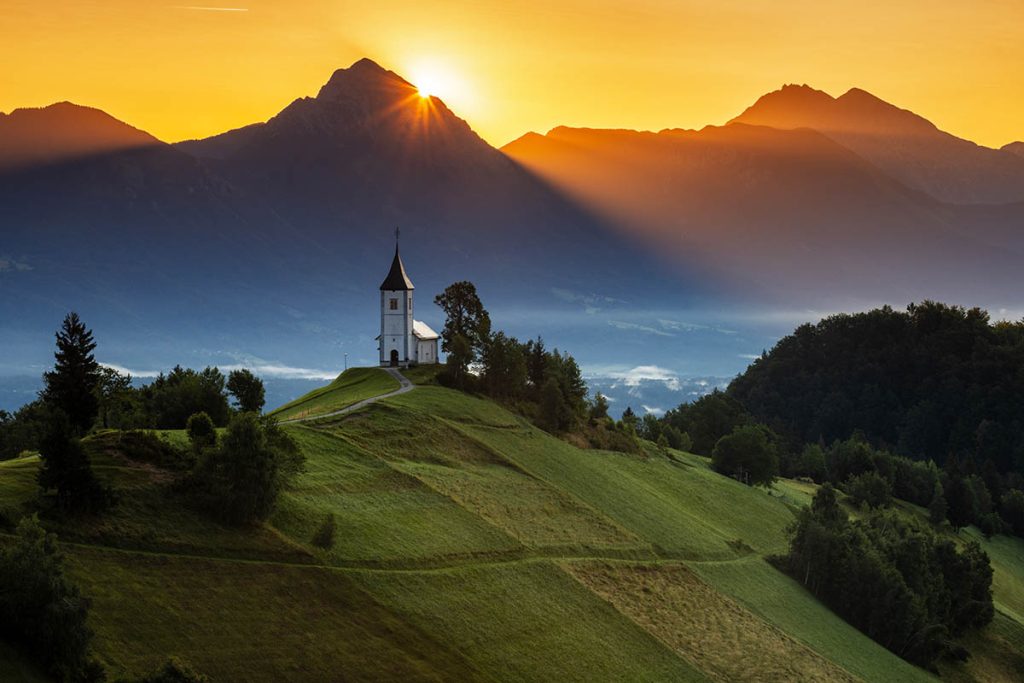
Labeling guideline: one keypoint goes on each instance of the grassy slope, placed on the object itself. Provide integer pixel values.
(350, 387)
(461, 533)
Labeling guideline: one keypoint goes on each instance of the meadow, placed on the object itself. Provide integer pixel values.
(470, 545)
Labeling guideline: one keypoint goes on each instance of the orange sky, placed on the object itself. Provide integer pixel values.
(180, 71)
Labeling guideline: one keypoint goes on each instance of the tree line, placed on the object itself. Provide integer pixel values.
(544, 385)
(906, 588)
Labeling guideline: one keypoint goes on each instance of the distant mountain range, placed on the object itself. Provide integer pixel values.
(685, 251)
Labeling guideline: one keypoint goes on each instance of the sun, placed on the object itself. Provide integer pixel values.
(435, 79)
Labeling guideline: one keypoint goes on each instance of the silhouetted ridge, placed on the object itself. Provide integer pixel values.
(903, 144)
(64, 131)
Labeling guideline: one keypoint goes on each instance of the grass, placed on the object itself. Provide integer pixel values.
(351, 386)
(715, 633)
(681, 509)
(383, 515)
(252, 621)
(471, 546)
(528, 621)
(786, 604)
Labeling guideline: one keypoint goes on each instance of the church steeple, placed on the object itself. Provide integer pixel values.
(397, 280)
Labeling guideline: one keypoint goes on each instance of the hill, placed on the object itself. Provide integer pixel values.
(471, 545)
(903, 144)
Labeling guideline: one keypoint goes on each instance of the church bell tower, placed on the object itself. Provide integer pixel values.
(397, 344)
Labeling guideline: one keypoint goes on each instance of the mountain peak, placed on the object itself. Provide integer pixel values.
(63, 131)
(1014, 148)
(363, 75)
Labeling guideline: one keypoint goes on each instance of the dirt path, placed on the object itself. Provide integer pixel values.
(404, 385)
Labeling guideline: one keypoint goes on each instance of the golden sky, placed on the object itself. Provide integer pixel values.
(190, 68)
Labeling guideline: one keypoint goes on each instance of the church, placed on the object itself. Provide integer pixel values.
(403, 341)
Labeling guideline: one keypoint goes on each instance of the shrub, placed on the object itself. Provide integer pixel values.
(239, 481)
(324, 536)
(174, 671)
(41, 608)
(201, 431)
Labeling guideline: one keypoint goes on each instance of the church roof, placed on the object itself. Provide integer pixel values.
(397, 280)
(423, 331)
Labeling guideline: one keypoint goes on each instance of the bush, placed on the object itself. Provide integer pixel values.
(41, 608)
(747, 454)
(201, 431)
(324, 536)
(239, 481)
(173, 671)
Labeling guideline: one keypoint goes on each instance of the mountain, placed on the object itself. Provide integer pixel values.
(266, 244)
(62, 132)
(906, 146)
(1014, 148)
(789, 212)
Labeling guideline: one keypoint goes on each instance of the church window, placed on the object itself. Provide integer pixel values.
(393, 305)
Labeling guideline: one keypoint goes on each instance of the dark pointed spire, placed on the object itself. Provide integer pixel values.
(397, 280)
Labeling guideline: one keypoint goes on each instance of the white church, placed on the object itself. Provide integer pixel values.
(402, 341)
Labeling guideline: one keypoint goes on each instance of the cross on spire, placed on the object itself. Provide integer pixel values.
(397, 233)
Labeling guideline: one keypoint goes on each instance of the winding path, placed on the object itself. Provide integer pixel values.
(404, 386)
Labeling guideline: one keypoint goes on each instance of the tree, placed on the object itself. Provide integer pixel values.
(247, 389)
(66, 468)
(869, 488)
(812, 462)
(71, 386)
(115, 396)
(1011, 509)
(170, 399)
(825, 506)
(599, 409)
(554, 413)
(465, 316)
(708, 419)
(962, 505)
(242, 478)
(536, 363)
(324, 536)
(937, 508)
(747, 454)
(201, 431)
(41, 608)
(460, 355)
(504, 367)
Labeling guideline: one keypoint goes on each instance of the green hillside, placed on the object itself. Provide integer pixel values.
(352, 386)
(471, 546)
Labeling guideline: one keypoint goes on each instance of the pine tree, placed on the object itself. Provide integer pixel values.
(937, 508)
(71, 386)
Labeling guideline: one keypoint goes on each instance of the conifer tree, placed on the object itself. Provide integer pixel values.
(71, 386)
(937, 508)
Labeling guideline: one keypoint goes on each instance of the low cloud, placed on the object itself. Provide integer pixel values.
(591, 303)
(656, 412)
(10, 265)
(261, 370)
(633, 377)
(622, 325)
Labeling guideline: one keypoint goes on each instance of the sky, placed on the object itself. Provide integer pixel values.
(182, 69)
